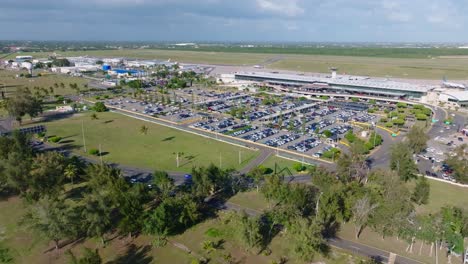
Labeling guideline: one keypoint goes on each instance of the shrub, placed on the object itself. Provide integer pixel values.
(299, 167)
(94, 152)
(386, 111)
(399, 122)
(350, 136)
(384, 120)
(372, 101)
(332, 153)
(327, 133)
(55, 139)
(402, 105)
(213, 232)
(354, 99)
(100, 107)
(324, 97)
(389, 124)
(41, 134)
(421, 117)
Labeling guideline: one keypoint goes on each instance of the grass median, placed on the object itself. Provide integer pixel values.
(122, 142)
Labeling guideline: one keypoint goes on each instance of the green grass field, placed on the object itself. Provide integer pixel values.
(9, 81)
(121, 142)
(414, 68)
(383, 63)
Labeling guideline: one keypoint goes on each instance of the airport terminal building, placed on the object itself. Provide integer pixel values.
(352, 85)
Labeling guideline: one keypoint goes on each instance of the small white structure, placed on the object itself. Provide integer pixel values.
(64, 109)
(364, 134)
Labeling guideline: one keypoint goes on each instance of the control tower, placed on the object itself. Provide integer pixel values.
(333, 70)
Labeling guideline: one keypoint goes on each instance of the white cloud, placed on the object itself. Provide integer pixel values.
(288, 8)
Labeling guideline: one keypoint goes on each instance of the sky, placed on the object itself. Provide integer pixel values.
(236, 20)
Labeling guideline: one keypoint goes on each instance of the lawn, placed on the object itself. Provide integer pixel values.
(251, 199)
(280, 162)
(444, 194)
(434, 68)
(8, 78)
(121, 142)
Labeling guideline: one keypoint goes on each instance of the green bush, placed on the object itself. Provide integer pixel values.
(399, 122)
(332, 153)
(384, 120)
(354, 99)
(402, 105)
(100, 107)
(213, 232)
(372, 101)
(421, 117)
(389, 124)
(54, 139)
(41, 134)
(327, 133)
(94, 152)
(299, 167)
(350, 136)
(386, 110)
(324, 97)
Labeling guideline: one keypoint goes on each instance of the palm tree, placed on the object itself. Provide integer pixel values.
(144, 130)
(71, 171)
(94, 116)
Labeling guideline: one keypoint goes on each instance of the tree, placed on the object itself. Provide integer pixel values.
(163, 184)
(362, 211)
(353, 164)
(94, 116)
(306, 239)
(459, 163)
(47, 175)
(89, 257)
(131, 209)
(5, 255)
(421, 191)
(257, 174)
(395, 207)
(248, 230)
(21, 103)
(210, 180)
(52, 219)
(96, 215)
(172, 215)
(144, 130)
(100, 107)
(417, 139)
(401, 161)
(70, 172)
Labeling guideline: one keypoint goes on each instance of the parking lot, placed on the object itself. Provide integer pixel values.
(284, 123)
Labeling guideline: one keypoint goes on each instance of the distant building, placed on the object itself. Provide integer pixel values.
(23, 58)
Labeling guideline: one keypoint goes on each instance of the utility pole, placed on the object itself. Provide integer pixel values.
(240, 157)
(82, 132)
(177, 159)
